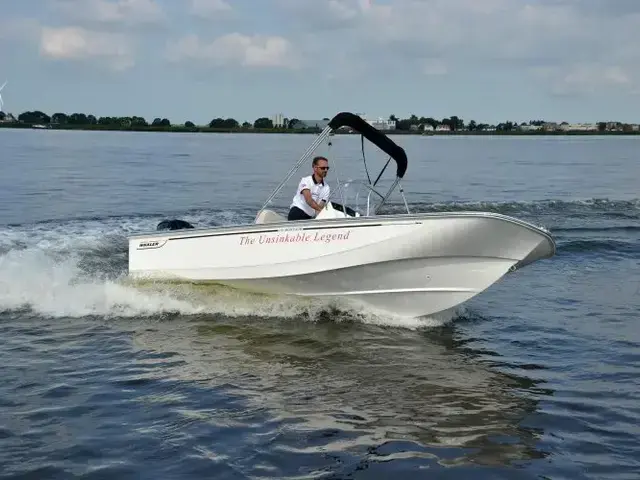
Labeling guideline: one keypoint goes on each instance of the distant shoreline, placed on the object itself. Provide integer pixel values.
(308, 131)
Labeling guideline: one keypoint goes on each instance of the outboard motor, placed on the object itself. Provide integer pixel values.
(173, 225)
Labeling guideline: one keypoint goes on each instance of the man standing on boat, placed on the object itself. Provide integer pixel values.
(312, 193)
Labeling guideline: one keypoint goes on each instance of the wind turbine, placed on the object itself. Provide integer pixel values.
(1, 101)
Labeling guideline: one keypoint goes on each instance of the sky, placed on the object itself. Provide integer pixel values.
(487, 60)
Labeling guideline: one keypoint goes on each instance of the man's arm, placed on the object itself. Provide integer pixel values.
(306, 193)
(325, 197)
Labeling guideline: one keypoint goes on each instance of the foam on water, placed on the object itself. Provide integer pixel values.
(79, 268)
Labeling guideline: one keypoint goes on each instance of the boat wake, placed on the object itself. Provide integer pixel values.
(79, 268)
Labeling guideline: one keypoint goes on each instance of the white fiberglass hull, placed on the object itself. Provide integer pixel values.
(410, 265)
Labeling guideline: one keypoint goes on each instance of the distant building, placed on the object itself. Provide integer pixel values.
(379, 123)
(579, 127)
(550, 126)
(278, 120)
(382, 124)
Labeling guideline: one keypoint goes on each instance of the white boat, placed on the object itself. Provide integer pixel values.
(409, 264)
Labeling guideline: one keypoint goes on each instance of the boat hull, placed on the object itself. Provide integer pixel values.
(408, 265)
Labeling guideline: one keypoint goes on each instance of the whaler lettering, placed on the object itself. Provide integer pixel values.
(148, 244)
(299, 237)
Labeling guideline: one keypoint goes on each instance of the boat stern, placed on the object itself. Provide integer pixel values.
(145, 255)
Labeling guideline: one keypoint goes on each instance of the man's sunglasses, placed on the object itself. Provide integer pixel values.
(323, 168)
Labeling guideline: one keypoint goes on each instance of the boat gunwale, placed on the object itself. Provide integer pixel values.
(331, 223)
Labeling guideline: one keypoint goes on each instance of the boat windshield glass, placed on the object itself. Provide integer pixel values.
(357, 195)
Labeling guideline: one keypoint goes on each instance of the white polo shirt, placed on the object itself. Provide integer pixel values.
(319, 191)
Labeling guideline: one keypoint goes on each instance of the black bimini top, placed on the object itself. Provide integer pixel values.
(375, 136)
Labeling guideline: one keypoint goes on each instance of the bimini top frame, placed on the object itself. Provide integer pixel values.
(375, 136)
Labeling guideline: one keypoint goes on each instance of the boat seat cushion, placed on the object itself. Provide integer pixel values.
(269, 216)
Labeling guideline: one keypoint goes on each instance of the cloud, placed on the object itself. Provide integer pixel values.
(581, 79)
(123, 12)
(209, 9)
(19, 29)
(435, 67)
(97, 32)
(325, 14)
(602, 7)
(570, 46)
(235, 49)
(79, 44)
(571, 38)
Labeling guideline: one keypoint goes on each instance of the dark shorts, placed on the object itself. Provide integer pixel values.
(296, 214)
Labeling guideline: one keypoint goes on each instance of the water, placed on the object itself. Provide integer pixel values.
(537, 378)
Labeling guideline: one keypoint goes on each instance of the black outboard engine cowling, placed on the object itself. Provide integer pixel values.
(173, 225)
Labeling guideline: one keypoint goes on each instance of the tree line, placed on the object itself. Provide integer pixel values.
(38, 117)
(454, 123)
(81, 119)
(412, 123)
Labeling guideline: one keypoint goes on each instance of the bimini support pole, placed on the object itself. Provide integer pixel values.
(406, 205)
(386, 197)
(316, 143)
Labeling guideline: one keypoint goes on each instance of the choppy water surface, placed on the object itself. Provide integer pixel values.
(537, 378)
